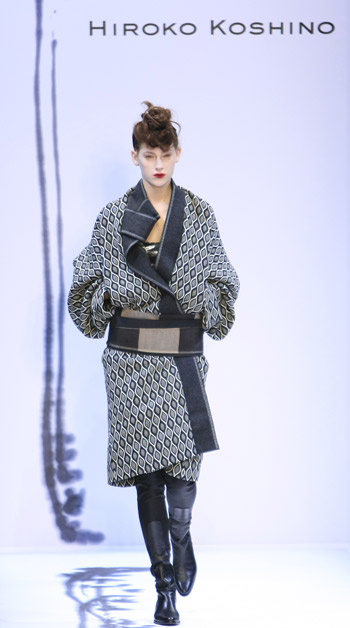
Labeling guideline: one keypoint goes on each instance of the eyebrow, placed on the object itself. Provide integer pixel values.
(153, 153)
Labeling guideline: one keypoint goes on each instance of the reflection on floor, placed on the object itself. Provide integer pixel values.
(237, 587)
(109, 595)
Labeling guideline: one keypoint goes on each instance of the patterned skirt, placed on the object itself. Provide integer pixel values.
(187, 470)
(148, 423)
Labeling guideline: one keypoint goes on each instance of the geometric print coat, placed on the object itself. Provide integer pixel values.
(149, 414)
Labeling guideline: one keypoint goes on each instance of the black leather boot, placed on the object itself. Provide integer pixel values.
(184, 562)
(158, 547)
(165, 613)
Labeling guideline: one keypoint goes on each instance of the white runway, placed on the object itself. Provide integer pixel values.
(238, 587)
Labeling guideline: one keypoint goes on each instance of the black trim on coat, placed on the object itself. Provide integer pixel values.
(197, 405)
(135, 227)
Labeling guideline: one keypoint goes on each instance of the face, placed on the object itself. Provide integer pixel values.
(157, 164)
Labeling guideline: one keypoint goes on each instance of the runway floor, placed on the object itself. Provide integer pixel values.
(236, 587)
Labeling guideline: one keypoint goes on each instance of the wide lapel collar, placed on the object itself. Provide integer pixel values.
(138, 220)
(172, 233)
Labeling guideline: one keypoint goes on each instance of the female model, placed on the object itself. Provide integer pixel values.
(156, 272)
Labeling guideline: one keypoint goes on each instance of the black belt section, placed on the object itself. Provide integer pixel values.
(167, 335)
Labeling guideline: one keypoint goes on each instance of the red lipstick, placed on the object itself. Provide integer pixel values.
(159, 176)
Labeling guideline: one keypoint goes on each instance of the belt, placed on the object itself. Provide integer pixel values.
(144, 332)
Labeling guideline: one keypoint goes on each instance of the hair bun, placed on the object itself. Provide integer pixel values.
(156, 117)
(156, 128)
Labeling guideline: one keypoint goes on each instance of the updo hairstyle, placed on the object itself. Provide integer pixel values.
(155, 129)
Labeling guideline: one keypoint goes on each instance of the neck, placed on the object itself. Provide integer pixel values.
(158, 195)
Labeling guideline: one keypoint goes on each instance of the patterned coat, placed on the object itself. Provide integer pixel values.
(151, 398)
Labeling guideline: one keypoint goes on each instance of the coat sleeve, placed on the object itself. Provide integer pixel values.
(221, 287)
(86, 304)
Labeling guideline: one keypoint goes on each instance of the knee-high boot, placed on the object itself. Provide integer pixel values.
(181, 496)
(155, 529)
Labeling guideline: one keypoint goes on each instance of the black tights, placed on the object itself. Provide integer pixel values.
(151, 500)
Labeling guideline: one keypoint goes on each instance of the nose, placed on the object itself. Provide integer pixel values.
(159, 163)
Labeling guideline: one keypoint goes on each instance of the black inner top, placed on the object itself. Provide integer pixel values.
(151, 249)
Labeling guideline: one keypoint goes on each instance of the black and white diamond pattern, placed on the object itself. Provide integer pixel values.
(149, 426)
(203, 279)
(148, 419)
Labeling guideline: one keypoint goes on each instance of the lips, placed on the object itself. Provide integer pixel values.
(159, 176)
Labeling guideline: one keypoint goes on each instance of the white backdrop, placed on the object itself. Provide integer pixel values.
(264, 120)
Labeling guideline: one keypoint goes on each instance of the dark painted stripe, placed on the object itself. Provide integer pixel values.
(69, 530)
(48, 457)
(61, 295)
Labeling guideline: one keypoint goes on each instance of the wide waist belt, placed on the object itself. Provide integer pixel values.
(140, 332)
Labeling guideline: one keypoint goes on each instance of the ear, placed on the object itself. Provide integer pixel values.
(134, 157)
(178, 153)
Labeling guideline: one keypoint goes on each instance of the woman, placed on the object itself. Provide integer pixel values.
(156, 272)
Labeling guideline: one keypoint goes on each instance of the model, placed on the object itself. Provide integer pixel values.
(156, 273)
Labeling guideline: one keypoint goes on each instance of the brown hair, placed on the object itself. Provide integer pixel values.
(155, 129)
